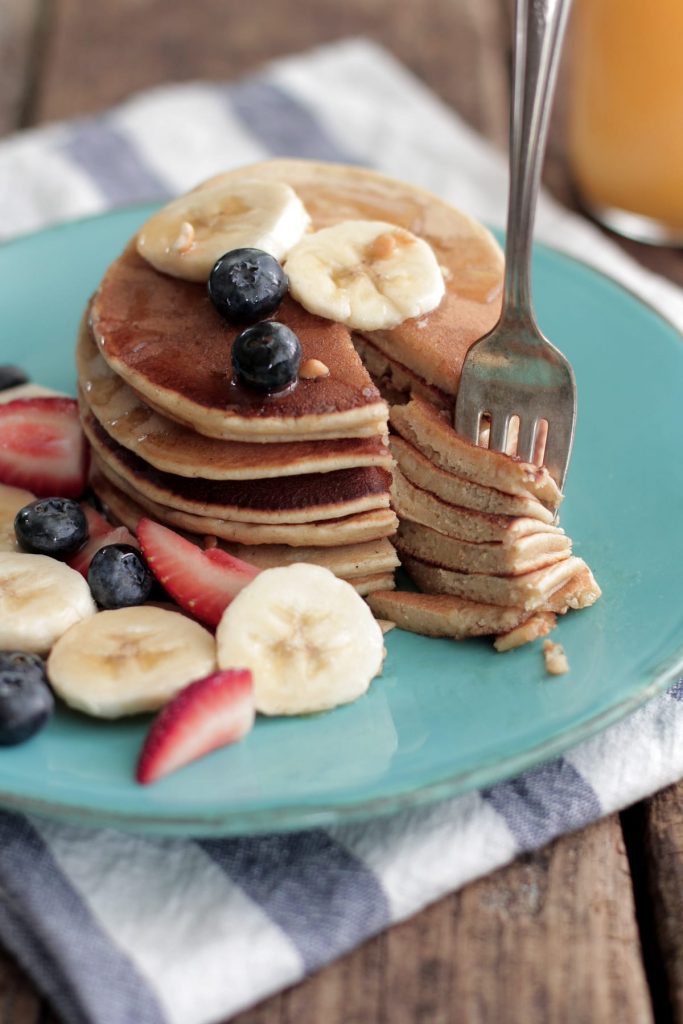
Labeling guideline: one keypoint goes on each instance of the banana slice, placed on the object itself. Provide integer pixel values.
(11, 500)
(129, 660)
(366, 274)
(185, 238)
(310, 641)
(40, 598)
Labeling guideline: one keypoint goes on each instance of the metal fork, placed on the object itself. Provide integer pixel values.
(514, 370)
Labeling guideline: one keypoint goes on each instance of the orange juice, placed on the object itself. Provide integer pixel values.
(626, 114)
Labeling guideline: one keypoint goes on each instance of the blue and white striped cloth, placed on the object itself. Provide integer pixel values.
(116, 928)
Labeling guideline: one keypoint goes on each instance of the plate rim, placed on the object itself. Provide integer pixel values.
(351, 809)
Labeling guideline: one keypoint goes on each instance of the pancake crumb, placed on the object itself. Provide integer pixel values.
(555, 658)
(537, 625)
(210, 542)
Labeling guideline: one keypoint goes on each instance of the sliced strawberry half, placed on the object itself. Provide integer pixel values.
(100, 534)
(42, 446)
(202, 582)
(204, 716)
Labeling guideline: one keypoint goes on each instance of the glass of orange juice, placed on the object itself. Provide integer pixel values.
(626, 115)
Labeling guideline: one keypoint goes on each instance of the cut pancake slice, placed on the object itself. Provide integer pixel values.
(424, 427)
(418, 505)
(168, 343)
(327, 533)
(294, 499)
(455, 490)
(396, 382)
(174, 448)
(530, 591)
(521, 555)
(445, 615)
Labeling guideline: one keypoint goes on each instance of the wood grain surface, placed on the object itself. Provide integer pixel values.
(589, 929)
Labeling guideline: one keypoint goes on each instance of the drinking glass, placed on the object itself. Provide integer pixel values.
(625, 110)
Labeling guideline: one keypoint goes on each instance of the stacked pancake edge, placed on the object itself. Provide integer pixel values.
(477, 534)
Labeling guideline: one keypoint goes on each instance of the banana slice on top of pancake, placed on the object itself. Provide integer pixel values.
(369, 275)
(185, 238)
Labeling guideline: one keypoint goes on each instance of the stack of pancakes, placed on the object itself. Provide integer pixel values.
(307, 475)
(303, 476)
(477, 532)
(298, 477)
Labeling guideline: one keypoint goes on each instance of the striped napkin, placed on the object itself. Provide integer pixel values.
(116, 928)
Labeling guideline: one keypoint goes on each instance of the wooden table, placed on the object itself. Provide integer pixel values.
(590, 929)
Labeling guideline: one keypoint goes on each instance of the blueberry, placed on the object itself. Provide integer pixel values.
(51, 526)
(247, 285)
(26, 701)
(118, 577)
(11, 377)
(266, 356)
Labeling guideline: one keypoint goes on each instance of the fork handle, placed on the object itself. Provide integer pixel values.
(539, 29)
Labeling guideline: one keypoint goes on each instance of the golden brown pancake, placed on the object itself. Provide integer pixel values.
(350, 561)
(165, 339)
(352, 529)
(369, 560)
(177, 449)
(425, 428)
(520, 555)
(432, 346)
(455, 490)
(418, 505)
(293, 499)
(530, 591)
(444, 615)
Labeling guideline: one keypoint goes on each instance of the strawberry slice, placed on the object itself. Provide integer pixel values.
(204, 716)
(42, 446)
(202, 582)
(100, 534)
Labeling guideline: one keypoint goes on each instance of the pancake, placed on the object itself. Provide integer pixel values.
(356, 562)
(520, 555)
(165, 339)
(531, 591)
(174, 448)
(425, 428)
(455, 490)
(445, 615)
(350, 561)
(432, 346)
(294, 499)
(327, 533)
(411, 502)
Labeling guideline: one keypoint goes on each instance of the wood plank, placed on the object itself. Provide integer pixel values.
(552, 937)
(19, 1002)
(20, 27)
(453, 47)
(662, 819)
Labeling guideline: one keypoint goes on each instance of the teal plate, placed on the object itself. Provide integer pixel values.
(444, 717)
